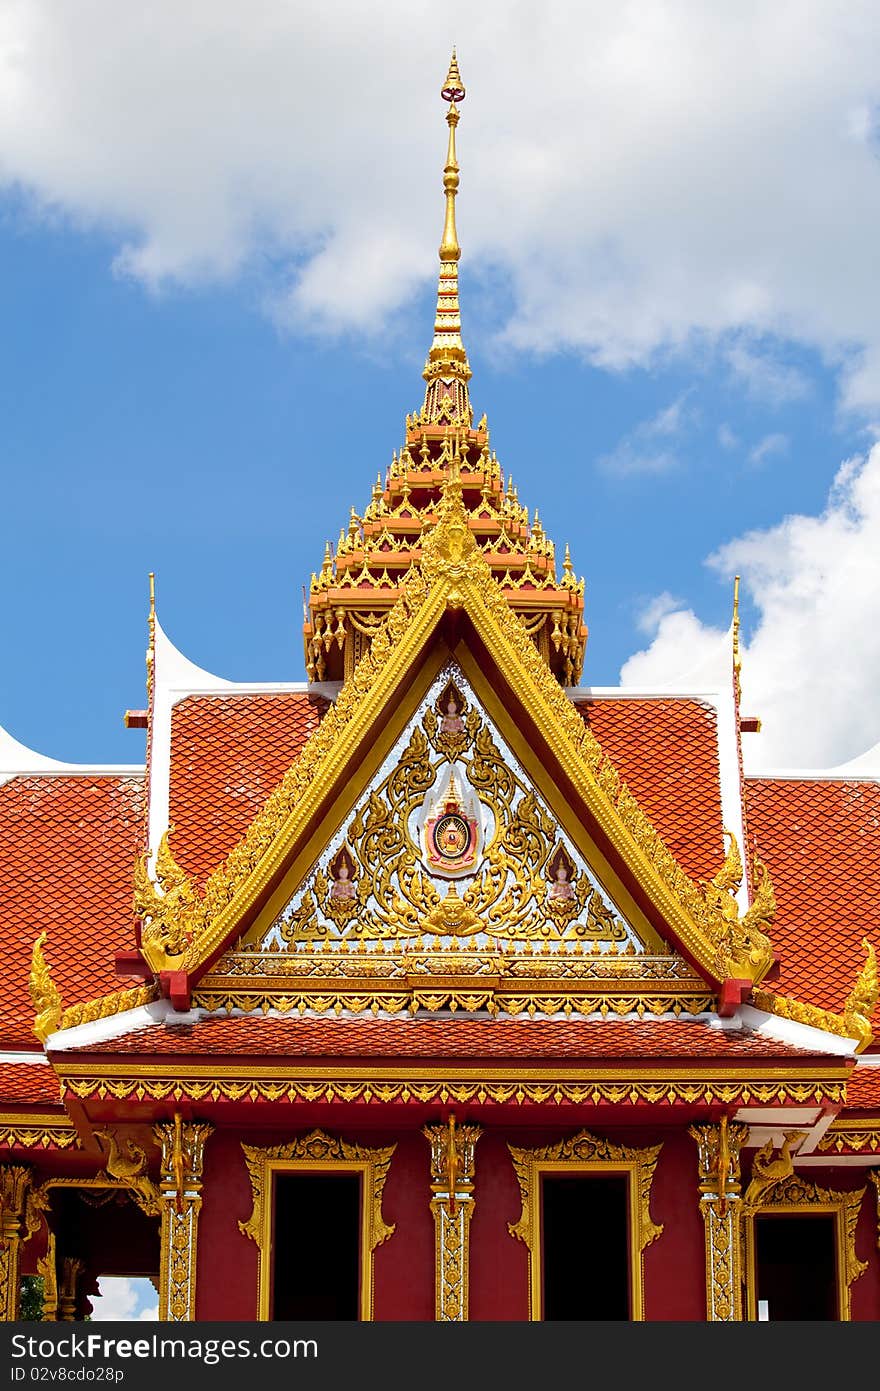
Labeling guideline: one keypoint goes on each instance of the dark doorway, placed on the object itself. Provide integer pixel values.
(316, 1246)
(796, 1266)
(585, 1246)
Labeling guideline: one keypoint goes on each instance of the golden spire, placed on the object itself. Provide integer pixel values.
(447, 370)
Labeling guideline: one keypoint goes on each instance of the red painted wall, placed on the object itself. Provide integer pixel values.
(226, 1279)
(499, 1287)
(675, 1264)
(403, 1268)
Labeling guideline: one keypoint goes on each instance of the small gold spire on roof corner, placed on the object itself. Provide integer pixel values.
(151, 634)
(737, 656)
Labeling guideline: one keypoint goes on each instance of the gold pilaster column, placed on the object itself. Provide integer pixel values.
(721, 1207)
(47, 1267)
(183, 1145)
(19, 1219)
(452, 1203)
(71, 1271)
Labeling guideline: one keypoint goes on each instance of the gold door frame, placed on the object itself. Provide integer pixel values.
(795, 1195)
(316, 1152)
(586, 1153)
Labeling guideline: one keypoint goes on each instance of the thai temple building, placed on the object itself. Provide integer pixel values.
(443, 984)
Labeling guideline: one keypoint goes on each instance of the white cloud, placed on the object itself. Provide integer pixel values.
(726, 437)
(811, 665)
(646, 448)
(655, 610)
(644, 177)
(770, 447)
(120, 1298)
(765, 378)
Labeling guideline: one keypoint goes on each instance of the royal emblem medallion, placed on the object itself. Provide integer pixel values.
(451, 840)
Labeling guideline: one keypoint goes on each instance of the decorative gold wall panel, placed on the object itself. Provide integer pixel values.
(452, 1206)
(183, 1145)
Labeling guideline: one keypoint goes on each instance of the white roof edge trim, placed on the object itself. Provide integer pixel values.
(26, 1058)
(116, 1026)
(758, 1021)
(810, 775)
(17, 760)
(702, 692)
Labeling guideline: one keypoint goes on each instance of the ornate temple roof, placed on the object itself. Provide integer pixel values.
(359, 579)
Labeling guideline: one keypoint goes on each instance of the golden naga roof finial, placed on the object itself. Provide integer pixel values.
(447, 370)
(45, 995)
(859, 1004)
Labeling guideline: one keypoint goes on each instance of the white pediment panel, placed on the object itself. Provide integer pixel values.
(452, 844)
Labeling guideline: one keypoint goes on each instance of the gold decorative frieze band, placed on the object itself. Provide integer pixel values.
(419, 1088)
(34, 1131)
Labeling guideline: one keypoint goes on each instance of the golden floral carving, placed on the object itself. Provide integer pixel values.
(801, 1013)
(38, 1132)
(844, 1136)
(580, 1148)
(319, 1147)
(105, 1006)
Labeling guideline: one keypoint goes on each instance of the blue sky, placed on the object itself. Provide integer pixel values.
(200, 374)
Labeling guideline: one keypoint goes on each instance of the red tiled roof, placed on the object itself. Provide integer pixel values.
(227, 754)
(863, 1087)
(29, 1083)
(666, 751)
(571, 1039)
(820, 841)
(67, 850)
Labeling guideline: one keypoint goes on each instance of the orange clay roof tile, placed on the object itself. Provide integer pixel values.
(67, 849)
(28, 1083)
(863, 1088)
(569, 1039)
(228, 752)
(666, 751)
(820, 841)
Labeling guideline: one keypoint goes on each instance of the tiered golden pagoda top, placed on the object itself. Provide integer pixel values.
(358, 581)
